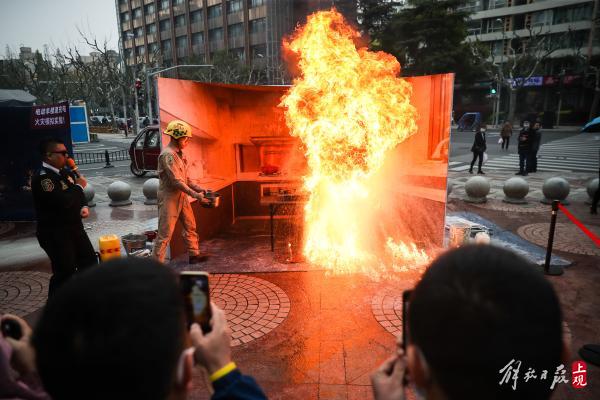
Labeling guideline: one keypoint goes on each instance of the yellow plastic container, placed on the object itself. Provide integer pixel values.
(110, 247)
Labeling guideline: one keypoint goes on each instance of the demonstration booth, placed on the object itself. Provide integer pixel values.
(23, 128)
(242, 149)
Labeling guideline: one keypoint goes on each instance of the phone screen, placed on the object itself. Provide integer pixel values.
(196, 298)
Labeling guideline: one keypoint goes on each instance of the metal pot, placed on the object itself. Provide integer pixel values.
(132, 242)
(213, 198)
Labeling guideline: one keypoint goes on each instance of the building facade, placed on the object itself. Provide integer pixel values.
(566, 27)
(172, 32)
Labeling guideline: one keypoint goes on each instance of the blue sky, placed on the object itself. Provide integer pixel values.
(34, 23)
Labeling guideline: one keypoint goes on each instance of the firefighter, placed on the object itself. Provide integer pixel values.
(173, 192)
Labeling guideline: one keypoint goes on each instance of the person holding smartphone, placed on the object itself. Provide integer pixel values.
(119, 331)
(476, 312)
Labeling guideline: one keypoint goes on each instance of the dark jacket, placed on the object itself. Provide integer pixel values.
(536, 139)
(235, 386)
(525, 140)
(479, 145)
(57, 199)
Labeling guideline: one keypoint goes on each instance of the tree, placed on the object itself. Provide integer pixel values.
(374, 16)
(524, 56)
(429, 38)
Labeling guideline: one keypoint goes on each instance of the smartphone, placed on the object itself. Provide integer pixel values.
(11, 328)
(196, 298)
(405, 304)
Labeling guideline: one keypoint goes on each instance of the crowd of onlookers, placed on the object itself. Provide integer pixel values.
(478, 319)
(528, 145)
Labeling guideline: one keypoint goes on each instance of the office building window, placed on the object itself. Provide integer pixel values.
(140, 50)
(214, 11)
(258, 51)
(127, 35)
(176, 2)
(122, 2)
(237, 53)
(234, 6)
(164, 4)
(493, 25)
(138, 32)
(151, 28)
(179, 21)
(197, 3)
(152, 48)
(258, 25)
(127, 53)
(181, 42)
(572, 14)
(124, 16)
(236, 30)
(149, 9)
(197, 38)
(255, 3)
(541, 18)
(215, 34)
(137, 13)
(166, 45)
(165, 25)
(196, 16)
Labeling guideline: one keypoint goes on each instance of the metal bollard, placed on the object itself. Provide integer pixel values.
(554, 270)
(107, 159)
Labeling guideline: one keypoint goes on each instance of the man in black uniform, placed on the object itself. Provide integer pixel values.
(60, 205)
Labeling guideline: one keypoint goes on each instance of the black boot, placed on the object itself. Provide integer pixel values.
(480, 172)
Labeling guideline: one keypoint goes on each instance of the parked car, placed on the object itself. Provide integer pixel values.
(144, 151)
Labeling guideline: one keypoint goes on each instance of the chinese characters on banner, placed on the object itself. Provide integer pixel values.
(510, 375)
(50, 116)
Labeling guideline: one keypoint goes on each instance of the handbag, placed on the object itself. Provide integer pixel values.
(501, 140)
(485, 157)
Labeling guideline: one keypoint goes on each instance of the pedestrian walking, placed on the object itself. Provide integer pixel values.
(524, 146)
(60, 205)
(505, 134)
(479, 147)
(536, 140)
(173, 191)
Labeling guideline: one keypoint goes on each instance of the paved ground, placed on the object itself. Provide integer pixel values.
(305, 334)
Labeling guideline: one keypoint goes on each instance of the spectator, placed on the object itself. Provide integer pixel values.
(524, 146)
(476, 309)
(479, 147)
(17, 356)
(505, 134)
(118, 332)
(536, 140)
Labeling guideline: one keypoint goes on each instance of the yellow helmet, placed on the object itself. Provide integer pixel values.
(178, 129)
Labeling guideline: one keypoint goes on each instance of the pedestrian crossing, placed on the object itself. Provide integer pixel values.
(94, 148)
(578, 153)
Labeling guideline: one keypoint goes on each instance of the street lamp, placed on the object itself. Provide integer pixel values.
(500, 74)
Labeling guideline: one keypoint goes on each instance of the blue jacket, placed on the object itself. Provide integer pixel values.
(235, 386)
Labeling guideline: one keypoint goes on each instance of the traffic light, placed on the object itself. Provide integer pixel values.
(492, 91)
(138, 84)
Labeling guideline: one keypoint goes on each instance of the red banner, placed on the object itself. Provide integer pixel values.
(50, 116)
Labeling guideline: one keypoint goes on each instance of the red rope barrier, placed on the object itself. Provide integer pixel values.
(580, 225)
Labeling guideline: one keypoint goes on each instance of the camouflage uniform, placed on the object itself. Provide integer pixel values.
(173, 203)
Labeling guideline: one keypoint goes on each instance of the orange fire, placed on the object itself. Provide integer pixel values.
(350, 109)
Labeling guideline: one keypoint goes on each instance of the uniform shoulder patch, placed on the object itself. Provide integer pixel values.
(169, 159)
(47, 185)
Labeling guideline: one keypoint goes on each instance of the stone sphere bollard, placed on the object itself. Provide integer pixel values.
(150, 190)
(591, 188)
(89, 193)
(119, 193)
(556, 188)
(477, 188)
(515, 189)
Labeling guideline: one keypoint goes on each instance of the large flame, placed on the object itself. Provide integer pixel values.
(350, 109)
